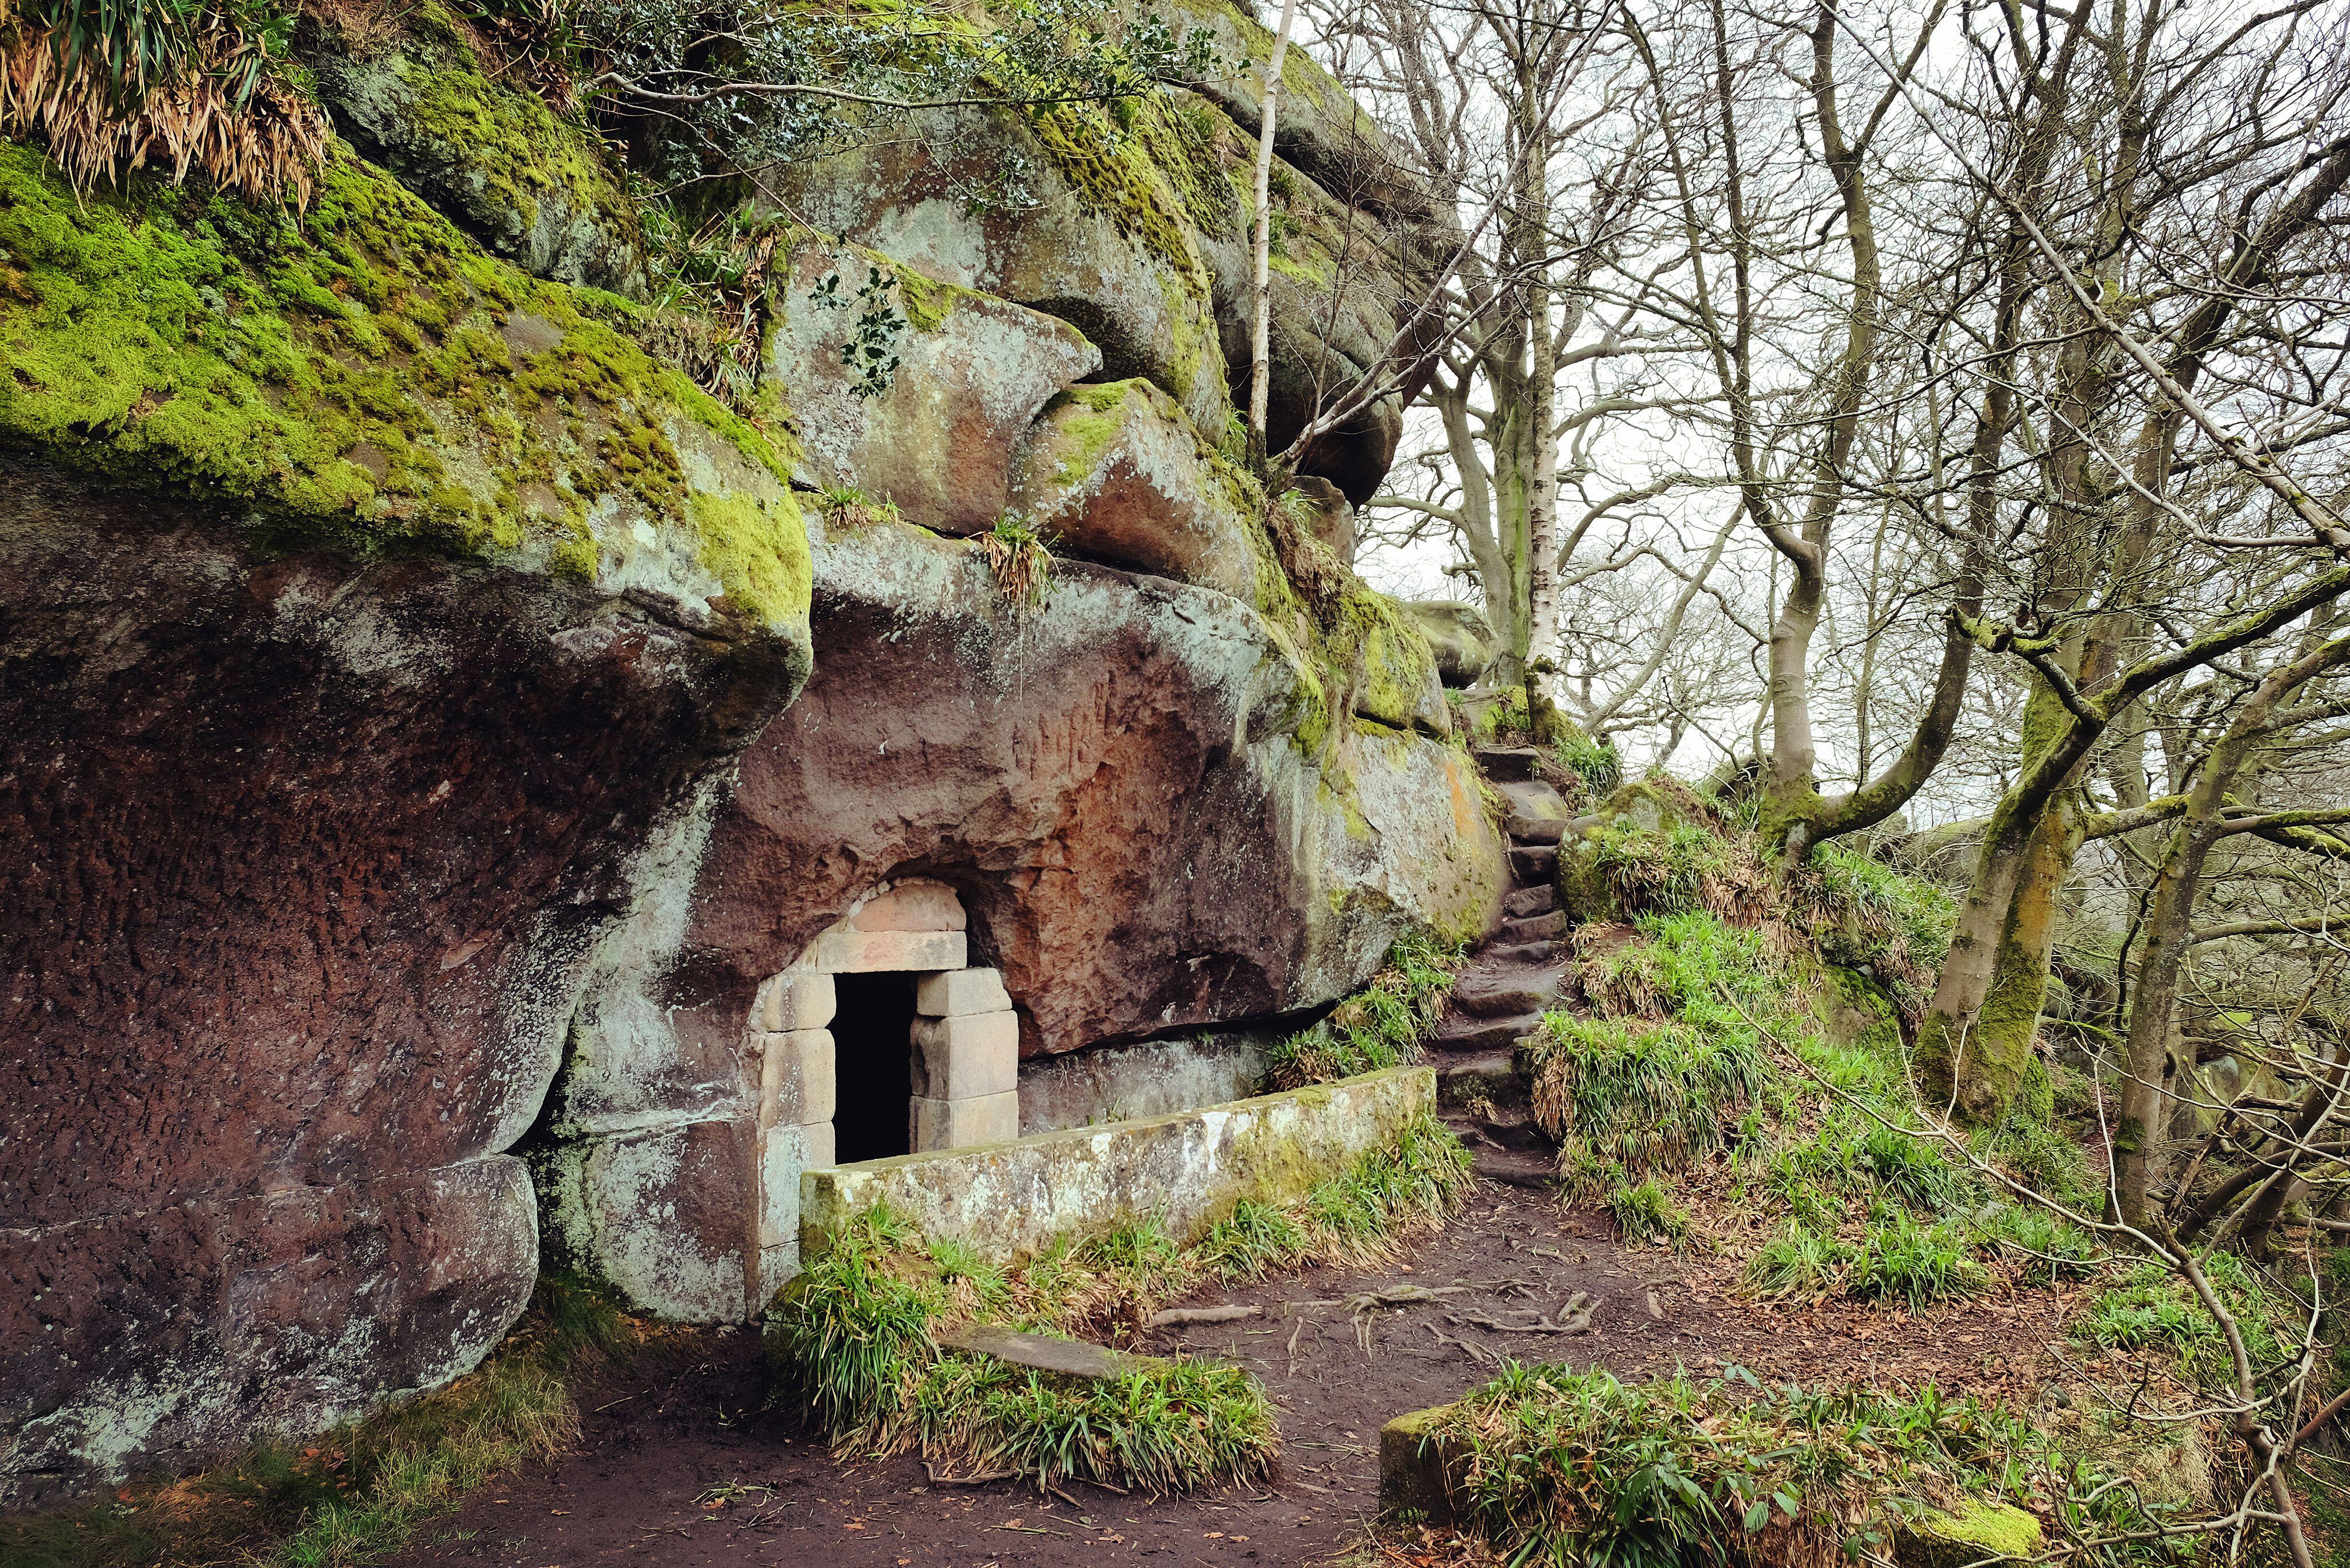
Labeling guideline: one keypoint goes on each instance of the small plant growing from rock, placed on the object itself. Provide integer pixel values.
(846, 507)
(1017, 555)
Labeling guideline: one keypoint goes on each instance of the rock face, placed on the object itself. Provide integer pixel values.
(1156, 812)
(396, 680)
(1116, 473)
(333, 746)
(974, 370)
(1137, 235)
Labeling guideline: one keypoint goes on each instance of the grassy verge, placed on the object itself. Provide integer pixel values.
(856, 1333)
(356, 1493)
(1377, 1027)
(1560, 1467)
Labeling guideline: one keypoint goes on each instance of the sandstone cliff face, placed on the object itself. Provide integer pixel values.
(342, 676)
(396, 680)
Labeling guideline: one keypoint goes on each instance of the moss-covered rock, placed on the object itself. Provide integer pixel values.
(1457, 632)
(1116, 473)
(363, 376)
(1109, 245)
(1966, 1534)
(532, 185)
(973, 370)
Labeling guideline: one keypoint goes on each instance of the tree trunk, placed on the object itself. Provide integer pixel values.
(1260, 323)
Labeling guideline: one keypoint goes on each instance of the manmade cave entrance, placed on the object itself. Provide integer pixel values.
(872, 1033)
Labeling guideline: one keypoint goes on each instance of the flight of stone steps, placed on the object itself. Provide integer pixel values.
(1507, 985)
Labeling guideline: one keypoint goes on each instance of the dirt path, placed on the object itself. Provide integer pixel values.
(641, 1485)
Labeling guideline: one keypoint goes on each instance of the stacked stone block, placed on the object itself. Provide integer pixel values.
(966, 1061)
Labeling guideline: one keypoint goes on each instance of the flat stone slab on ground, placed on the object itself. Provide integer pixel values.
(1069, 1357)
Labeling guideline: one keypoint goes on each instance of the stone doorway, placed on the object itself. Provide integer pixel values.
(872, 1033)
(880, 1040)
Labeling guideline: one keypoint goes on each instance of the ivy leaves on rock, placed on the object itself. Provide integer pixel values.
(872, 347)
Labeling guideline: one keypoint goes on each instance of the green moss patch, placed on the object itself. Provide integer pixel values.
(361, 375)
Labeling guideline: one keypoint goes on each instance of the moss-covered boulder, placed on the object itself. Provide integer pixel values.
(937, 441)
(532, 185)
(1108, 241)
(376, 621)
(363, 375)
(1116, 473)
(1966, 1534)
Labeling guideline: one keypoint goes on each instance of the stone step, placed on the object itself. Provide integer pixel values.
(1533, 863)
(1509, 994)
(1511, 1126)
(1521, 955)
(1533, 798)
(1490, 1075)
(1514, 764)
(1549, 928)
(1516, 1167)
(1536, 829)
(1500, 1162)
(1540, 899)
(1464, 1033)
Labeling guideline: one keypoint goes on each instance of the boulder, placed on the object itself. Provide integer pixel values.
(1106, 239)
(367, 608)
(973, 372)
(531, 185)
(1116, 473)
(1462, 642)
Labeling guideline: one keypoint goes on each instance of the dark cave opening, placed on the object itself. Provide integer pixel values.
(872, 1041)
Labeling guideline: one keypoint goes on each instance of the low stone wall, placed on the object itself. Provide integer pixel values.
(1107, 1084)
(1014, 1199)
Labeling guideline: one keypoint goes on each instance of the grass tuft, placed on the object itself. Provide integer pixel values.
(1554, 1466)
(1379, 1026)
(1919, 1265)
(1644, 1212)
(1638, 1098)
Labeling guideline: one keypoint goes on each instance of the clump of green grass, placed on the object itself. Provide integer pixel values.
(1377, 1027)
(1644, 1212)
(1865, 915)
(1575, 1467)
(1595, 763)
(1800, 1264)
(357, 1492)
(856, 1333)
(1919, 1265)
(1910, 1169)
(1683, 866)
(2151, 1308)
(2051, 1249)
(847, 506)
(1638, 1098)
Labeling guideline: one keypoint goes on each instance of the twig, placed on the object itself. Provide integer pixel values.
(980, 1479)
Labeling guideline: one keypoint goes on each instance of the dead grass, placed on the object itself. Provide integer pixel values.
(200, 90)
